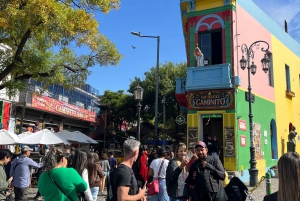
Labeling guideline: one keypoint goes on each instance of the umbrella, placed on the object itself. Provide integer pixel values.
(43, 137)
(70, 137)
(25, 134)
(85, 137)
(7, 137)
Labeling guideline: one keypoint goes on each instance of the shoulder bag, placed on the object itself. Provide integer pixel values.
(153, 187)
(59, 187)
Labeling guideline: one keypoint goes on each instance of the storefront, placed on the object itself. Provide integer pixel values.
(212, 113)
(52, 114)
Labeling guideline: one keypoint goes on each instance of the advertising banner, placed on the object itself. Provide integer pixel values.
(213, 99)
(61, 108)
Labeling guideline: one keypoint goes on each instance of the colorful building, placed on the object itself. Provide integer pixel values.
(216, 94)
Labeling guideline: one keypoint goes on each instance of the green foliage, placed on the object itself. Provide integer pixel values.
(122, 106)
(38, 39)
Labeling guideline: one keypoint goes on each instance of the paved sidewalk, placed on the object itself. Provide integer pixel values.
(32, 193)
(258, 194)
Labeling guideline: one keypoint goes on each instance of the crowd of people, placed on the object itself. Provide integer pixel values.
(61, 174)
(183, 174)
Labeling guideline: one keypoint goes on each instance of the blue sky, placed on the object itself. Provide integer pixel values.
(161, 18)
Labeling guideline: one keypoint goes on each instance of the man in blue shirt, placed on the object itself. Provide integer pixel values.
(113, 163)
(21, 171)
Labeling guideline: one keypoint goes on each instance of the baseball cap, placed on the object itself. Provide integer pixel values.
(25, 148)
(200, 143)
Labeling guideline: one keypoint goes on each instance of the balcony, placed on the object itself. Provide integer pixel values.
(180, 85)
(208, 77)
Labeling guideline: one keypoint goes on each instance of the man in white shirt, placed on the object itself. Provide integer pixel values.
(158, 169)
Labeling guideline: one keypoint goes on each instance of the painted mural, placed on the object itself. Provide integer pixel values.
(257, 140)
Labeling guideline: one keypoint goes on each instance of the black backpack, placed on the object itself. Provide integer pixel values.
(235, 190)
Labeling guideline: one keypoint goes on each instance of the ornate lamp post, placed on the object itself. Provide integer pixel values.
(253, 171)
(138, 96)
(156, 81)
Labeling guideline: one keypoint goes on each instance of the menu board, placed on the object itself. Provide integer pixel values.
(192, 136)
(229, 142)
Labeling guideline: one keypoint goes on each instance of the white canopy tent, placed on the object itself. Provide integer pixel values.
(43, 137)
(25, 134)
(7, 137)
(71, 137)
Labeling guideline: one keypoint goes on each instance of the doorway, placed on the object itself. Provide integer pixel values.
(211, 46)
(213, 126)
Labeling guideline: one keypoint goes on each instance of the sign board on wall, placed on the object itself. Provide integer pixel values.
(62, 108)
(229, 142)
(213, 99)
(192, 136)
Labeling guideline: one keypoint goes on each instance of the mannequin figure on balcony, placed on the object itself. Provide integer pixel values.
(198, 56)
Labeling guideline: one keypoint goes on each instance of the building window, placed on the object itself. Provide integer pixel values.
(210, 44)
(271, 75)
(287, 78)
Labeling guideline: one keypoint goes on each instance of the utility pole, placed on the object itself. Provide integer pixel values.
(164, 118)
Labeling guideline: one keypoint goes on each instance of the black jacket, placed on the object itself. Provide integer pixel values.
(175, 180)
(207, 179)
(271, 197)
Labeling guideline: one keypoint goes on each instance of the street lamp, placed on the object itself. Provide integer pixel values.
(253, 171)
(138, 96)
(156, 81)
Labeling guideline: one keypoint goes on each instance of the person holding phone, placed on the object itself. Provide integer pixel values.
(124, 184)
(176, 175)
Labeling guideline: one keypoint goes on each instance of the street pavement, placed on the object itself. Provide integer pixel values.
(258, 194)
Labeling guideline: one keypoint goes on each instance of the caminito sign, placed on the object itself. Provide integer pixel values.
(213, 99)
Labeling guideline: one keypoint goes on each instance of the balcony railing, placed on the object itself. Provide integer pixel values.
(208, 77)
(180, 85)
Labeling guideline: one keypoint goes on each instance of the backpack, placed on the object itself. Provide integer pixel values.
(235, 190)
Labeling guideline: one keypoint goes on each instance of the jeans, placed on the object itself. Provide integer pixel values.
(21, 193)
(215, 154)
(94, 191)
(162, 195)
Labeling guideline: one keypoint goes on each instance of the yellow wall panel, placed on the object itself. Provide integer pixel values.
(287, 108)
(229, 120)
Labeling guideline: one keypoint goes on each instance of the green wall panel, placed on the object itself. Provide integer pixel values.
(263, 112)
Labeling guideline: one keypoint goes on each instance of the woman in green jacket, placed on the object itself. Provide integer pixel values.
(58, 182)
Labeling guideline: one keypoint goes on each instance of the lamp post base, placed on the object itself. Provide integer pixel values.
(253, 177)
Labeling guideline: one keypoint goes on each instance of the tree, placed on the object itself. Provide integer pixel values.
(40, 38)
(121, 107)
(168, 72)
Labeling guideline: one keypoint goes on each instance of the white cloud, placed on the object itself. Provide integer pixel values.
(280, 10)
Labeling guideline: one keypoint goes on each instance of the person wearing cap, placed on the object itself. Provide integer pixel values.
(21, 170)
(205, 177)
(161, 163)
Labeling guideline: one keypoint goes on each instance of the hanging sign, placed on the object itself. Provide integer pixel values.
(213, 99)
(62, 108)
